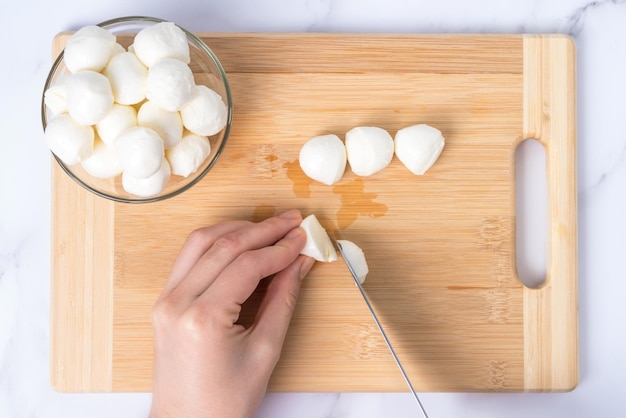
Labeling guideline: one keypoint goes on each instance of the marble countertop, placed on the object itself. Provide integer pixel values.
(599, 30)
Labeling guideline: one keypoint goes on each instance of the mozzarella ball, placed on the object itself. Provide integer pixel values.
(160, 41)
(369, 149)
(89, 48)
(323, 158)
(355, 256)
(318, 244)
(127, 76)
(116, 121)
(55, 97)
(102, 163)
(205, 114)
(167, 124)
(117, 49)
(140, 152)
(186, 157)
(68, 140)
(418, 147)
(89, 97)
(150, 186)
(170, 84)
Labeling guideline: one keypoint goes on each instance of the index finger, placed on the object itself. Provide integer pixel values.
(228, 247)
(196, 244)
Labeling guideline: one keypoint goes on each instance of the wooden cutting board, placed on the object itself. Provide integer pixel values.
(441, 247)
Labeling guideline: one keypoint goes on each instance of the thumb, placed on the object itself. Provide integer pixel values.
(276, 309)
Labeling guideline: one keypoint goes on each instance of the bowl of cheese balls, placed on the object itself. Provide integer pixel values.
(136, 109)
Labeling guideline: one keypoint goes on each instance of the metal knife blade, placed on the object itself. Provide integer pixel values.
(380, 328)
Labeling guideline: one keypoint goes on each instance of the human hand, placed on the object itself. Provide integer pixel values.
(206, 364)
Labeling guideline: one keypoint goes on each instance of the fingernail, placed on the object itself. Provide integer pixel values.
(306, 266)
(290, 214)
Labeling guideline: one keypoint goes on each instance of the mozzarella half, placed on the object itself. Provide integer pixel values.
(323, 159)
(369, 149)
(418, 147)
(318, 244)
(355, 257)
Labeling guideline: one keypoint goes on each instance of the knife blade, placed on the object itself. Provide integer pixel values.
(380, 328)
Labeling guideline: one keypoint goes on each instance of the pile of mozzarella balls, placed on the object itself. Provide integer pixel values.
(369, 149)
(135, 112)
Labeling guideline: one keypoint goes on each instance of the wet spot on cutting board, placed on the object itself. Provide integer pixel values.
(301, 183)
(356, 202)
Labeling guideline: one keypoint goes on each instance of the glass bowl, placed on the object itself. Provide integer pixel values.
(206, 69)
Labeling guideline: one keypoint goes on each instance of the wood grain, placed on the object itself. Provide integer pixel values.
(550, 117)
(440, 246)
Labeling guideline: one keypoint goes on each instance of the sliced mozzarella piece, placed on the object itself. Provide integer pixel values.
(355, 257)
(369, 149)
(323, 159)
(418, 147)
(318, 244)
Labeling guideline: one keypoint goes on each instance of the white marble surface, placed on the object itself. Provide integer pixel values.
(599, 29)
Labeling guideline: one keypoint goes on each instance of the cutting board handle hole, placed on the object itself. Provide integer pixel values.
(531, 213)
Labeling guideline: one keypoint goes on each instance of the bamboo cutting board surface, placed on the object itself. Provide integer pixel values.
(441, 247)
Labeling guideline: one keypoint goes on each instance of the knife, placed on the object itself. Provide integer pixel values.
(380, 328)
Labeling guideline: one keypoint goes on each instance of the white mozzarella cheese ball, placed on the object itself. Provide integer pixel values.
(369, 149)
(165, 123)
(160, 41)
(323, 158)
(117, 49)
(89, 97)
(355, 257)
(150, 186)
(418, 147)
(116, 121)
(205, 114)
(140, 151)
(89, 48)
(68, 140)
(186, 157)
(170, 84)
(103, 162)
(318, 244)
(127, 76)
(55, 97)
